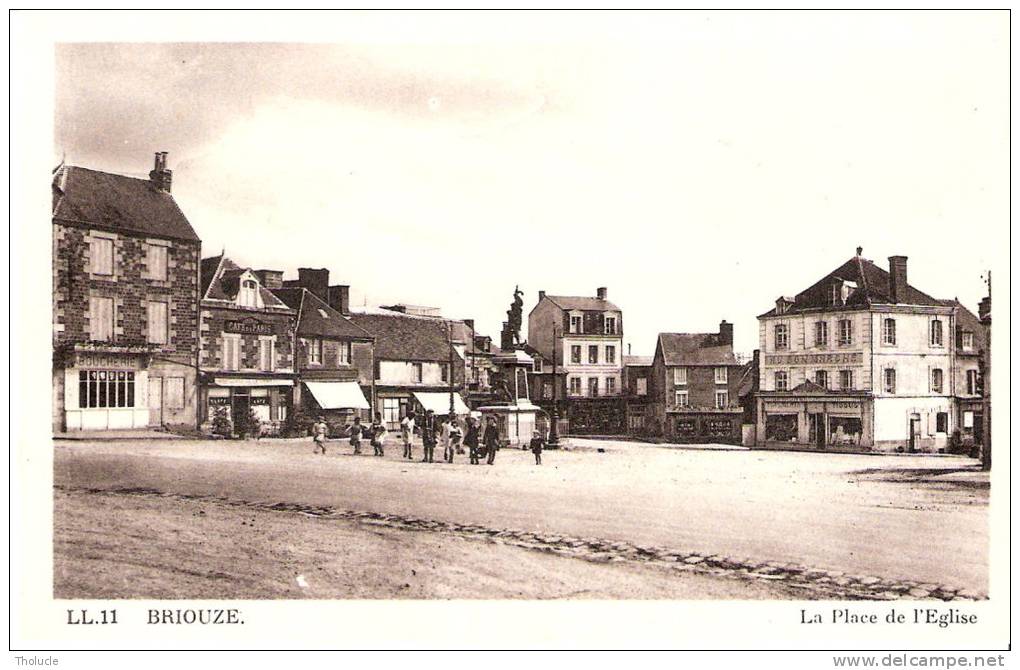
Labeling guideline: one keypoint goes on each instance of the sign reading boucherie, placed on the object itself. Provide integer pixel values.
(248, 327)
(814, 359)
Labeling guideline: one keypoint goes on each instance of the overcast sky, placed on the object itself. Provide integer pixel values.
(698, 165)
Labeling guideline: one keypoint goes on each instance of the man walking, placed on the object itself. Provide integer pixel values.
(471, 440)
(319, 430)
(407, 433)
(491, 440)
(356, 431)
(428, 436)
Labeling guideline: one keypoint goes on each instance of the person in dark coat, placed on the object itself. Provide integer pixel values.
(537, 444)
(471, 440)
(428, 436)
(491, 440)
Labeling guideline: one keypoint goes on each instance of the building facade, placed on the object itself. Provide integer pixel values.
(967, 382)
(637, 378)
(417, 365)
(334, 359)
(695, 384)
(125, 302)
(247, 348)
(585, 337)
(860, 360)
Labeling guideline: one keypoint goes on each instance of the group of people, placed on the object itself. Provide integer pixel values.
(481, 443)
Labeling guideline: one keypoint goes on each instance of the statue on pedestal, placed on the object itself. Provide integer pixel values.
(511, 335)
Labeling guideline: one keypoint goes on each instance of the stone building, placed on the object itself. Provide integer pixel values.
(967, 383)
(334, 357)
(637, 373)
(247, 346)
(861, 360)
(125, 302)
(585, 336)
(695, 384)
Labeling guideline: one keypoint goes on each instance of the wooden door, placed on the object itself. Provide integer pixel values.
(155, 401)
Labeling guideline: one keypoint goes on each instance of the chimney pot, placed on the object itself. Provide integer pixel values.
(160, 176)
(541, 295)
(340, 298)
(315, 280)
(860, 250)
(725, 332)
(602, 292)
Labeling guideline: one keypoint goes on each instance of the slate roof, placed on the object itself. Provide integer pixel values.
(872, 288)
(221, 281)
(311, 321)
(403, 337)
(117, 203)
(967, 320)
(690, 349)
(638, 361)
(582, 303)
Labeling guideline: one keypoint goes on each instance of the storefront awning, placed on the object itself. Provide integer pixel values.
(245, 381)
(439, 402)
(338, 395)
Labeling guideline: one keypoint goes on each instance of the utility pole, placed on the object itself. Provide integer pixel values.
(450, 336)
(554, 429)
(985, 314)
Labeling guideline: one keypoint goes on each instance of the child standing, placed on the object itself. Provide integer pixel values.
(537, 444)
(378, 434)
(356, 431)
(407, 432)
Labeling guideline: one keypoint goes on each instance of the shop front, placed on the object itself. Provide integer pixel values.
(234, 398)
(697, 426)
(102, 390)
(815, 419)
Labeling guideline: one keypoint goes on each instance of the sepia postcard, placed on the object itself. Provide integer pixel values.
(572, 330)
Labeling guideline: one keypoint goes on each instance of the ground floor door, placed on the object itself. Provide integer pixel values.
(915, 432)
(239, 403)
(155, 401)
(816, 424)
(979, 428)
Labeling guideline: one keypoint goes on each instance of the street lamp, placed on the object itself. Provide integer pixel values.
(554, 430)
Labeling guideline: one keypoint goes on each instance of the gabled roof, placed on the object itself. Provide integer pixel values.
(967, 321)
(117, 203)
(221, 281)
(695, 349)
(637, 361)
(872, 288)
(403, 337)
(582, 303)
(317, 319)
(748, 379)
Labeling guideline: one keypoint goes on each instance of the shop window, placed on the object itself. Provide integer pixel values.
(936, 381)
(781, 427)
(782, 336)
(593, 354)
(845, 430)
(101, 318)
(575, 353)
(173, 396)
(156, 261)
(846, 332)
(636, 422)
(101, 255)
(890, 380)
(106, 388)
(821, 333)
(936, 333)
(686, 427)
(889, 331)
(846, 380)
(156, 328)
(722, 399)
(717, 428)
(391, 413)
(782, 380)
(942, 422)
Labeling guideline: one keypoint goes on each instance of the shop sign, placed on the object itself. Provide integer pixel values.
(248, 326)
(219, 401)
(108, 360)
(849, 358)
(258, 401)
(845, 405)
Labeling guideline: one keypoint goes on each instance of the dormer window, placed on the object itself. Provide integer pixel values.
(837, 294)
(576, 323)
(782, 306)
(248, 297)
(841, 292)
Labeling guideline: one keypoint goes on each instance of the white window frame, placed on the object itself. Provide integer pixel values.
(941, 333)
(967, 340)
(576, 322)
(939, 375)
(972, 382)
(248, 296)
(313, 351)
(784, 377)
(154, 249)
(781, 336)
(343, 352)
(849, 375)
(93, 256)
(418, 373)
(150, 327)
(886, 386)
(576, 386)
(593, 349)
(271, 341)
(611, 354)
(610, 385)
(680, 376)
(889, 331)
(578, 359)
(610, 320)
(682, 398)
(846, 332)
(593, 387)
(821, 333)
(721, 375)
(725, 396)
(232, 363)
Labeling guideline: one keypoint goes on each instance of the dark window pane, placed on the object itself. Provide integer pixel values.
(131, 390)
(83, 390)
(102, 390)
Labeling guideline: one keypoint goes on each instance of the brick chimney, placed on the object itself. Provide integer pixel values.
(315, 280)
(898, 278)
(270, 278)
(160, 176)
(541, 295)
(340, 298)
(725, 332)
(601, 292)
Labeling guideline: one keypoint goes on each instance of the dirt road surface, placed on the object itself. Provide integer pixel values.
(898, 517)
